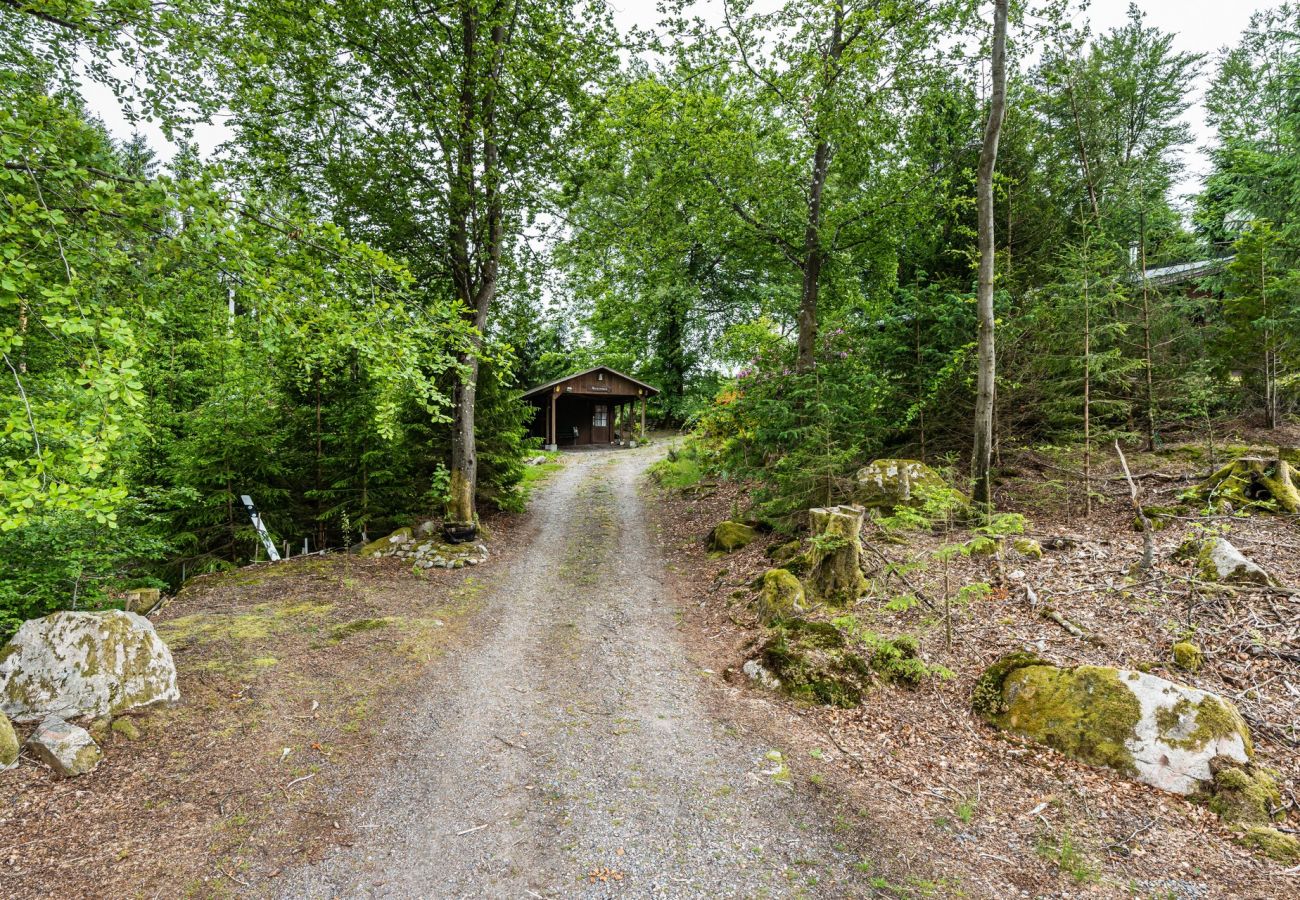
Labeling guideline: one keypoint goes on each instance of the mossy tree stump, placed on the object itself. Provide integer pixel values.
(1257, 483)
(832, 572)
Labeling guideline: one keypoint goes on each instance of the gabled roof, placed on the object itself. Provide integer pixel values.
(1184, 271)
(543, 388)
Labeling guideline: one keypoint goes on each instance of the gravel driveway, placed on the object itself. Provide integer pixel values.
(568, 751)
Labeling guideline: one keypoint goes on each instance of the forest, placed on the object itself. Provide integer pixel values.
(770, 211)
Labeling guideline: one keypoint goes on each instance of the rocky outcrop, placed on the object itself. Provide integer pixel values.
(8, 744)
(830, 567)
(728, 537)
(426, 551)
(65, 748)
(1218, 560)
(1158, 732)
(813, 661)
(820, 663)
(74, 664)
(889, 483)
(782, 597)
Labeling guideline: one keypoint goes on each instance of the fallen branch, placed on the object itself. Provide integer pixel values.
(1075, 630)
(508, 744)
(1148, 533)
(471, 830)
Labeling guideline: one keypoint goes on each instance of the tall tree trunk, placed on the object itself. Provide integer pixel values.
(982, 462)
(476, 275)
(1087, 383)
(1148, 364)
(813, 253)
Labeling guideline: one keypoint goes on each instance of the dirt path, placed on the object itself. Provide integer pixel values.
(574, 737)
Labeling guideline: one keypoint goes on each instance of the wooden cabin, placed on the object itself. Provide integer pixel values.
(591, 408)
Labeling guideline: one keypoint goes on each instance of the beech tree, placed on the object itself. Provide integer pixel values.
(430, 130)
(982, 457)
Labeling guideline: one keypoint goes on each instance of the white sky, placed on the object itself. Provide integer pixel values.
(1200, 26)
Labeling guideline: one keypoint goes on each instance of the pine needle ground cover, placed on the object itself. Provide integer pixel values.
(288, 673)
(959, 809)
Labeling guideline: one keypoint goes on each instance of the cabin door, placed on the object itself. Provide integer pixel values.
(600, 423)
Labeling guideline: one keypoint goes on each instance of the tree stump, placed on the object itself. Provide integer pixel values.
(1253, 482)
(832, 572)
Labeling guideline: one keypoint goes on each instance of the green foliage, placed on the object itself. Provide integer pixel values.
(679, 469)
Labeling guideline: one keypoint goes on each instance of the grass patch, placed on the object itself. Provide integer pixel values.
(678, 470)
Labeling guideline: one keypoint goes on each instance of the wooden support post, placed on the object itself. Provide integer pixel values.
(643, 418)
(554, 431)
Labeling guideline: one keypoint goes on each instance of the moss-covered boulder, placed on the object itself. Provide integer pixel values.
(68, 750)
(1242, 794)
(782, 597)
(74, 664)
(814, 661)
(8, 744)
(389, 544)
(784, 553)
(1027, 547)
(889, 483)
(728, 537)
(1253, 482)
(831, 566)
(1274, 844)
(1187, 656)
(143, 599)
(1158, 732)
(1219, 561)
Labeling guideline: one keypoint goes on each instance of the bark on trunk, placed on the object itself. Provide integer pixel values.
(476, 284)
(982, 462)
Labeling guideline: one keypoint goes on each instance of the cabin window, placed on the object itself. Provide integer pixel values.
(600, 416)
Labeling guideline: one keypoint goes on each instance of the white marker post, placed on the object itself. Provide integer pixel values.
(261, 529)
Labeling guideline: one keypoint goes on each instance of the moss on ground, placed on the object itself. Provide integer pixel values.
(356, 626)
(1243, 794)
(1272, 843)
(1187, 656)
(782, 596)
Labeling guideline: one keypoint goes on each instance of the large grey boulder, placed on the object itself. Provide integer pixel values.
(74, 664)
(8, 744)
(64, 747)
(889, 483)
(1156, 731)
(1219, 561)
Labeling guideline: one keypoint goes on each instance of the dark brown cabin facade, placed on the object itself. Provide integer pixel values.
(595, 407)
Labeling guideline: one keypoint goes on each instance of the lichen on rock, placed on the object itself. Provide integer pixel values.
(782, 597)
(1217, 560)
(728, 537)
(1161, 733)
(388, 543)
(74, 664)
(65, 748)
(889, 483)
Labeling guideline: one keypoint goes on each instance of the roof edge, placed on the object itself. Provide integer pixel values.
(550, 384)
